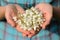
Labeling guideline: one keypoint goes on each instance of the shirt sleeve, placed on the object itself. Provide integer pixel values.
(2, 3)
(40, 1)
(5, 2)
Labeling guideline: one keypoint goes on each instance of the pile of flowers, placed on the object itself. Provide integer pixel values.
(30, 20)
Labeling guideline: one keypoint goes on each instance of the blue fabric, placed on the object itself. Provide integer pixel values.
(10, 33)
(5, 2)
(23, 3)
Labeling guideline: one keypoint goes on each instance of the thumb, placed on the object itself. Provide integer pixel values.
(19, 8)
(8, 15)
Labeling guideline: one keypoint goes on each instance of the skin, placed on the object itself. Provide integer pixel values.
(47, 12)
(2, 12)
(10, 12)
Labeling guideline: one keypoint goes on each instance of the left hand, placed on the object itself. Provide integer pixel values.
(47, 10)
(11, 11)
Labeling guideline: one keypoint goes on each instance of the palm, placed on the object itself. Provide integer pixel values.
(47, 12)
(11, 11)
(47, 9)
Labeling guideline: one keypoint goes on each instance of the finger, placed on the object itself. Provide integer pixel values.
(8, 16)
(45, 24)
(47, 20)
(20, 9)
(21, 30)
(14, 11)
(32, 32)
(24, 34)
(30, 35)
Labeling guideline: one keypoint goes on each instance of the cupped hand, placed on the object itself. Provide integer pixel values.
(47, 10)
(11, 11)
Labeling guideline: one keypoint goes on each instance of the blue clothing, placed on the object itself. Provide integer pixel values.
(23, 2)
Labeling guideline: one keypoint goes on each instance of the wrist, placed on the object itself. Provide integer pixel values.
(2, 12)
(56, 13)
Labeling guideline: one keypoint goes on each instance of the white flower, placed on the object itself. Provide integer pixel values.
(29, 29)
(32, 8)
(15, 18)
(31, 19)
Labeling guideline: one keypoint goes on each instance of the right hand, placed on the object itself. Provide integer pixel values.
(11, 10)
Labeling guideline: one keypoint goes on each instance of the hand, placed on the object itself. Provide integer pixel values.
(47, 10)
(11, 10)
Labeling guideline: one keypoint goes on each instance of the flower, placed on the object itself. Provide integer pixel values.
(31, 19)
